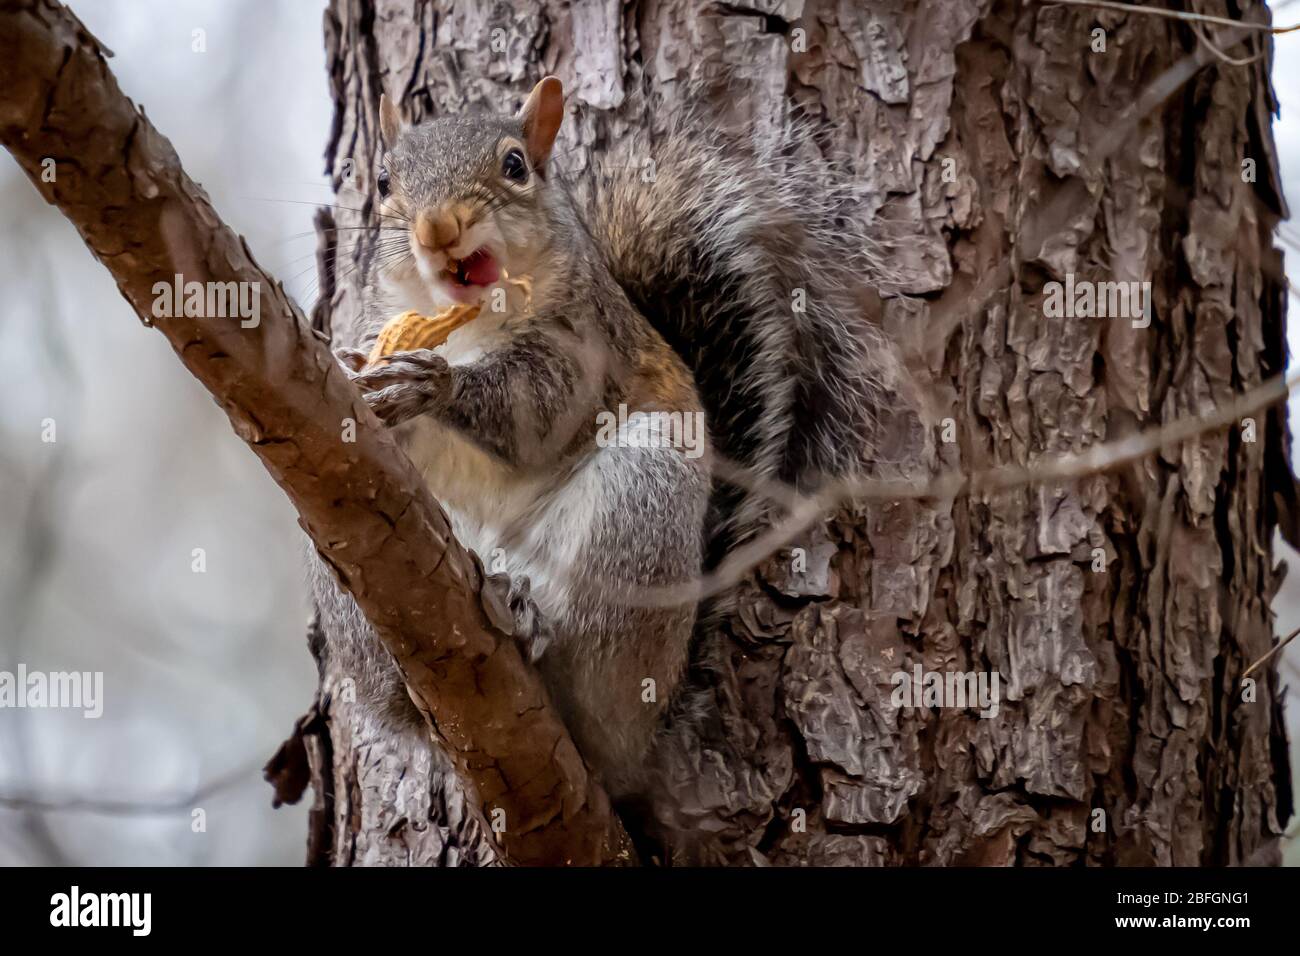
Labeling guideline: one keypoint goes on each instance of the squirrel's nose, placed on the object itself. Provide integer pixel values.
(441, 228)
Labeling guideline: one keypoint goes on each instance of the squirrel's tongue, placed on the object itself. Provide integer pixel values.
(479, 268)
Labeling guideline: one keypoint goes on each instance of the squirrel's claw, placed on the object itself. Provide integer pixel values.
(403, 367)
(532, 630)
(407, 385)
(509, 603)
(352, 360)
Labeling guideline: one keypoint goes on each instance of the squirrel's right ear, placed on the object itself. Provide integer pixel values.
(390, 120)
(541, 116)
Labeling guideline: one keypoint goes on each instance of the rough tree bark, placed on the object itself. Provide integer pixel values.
(999, 149)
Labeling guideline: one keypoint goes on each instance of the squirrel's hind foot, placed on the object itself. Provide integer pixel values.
(510, 599)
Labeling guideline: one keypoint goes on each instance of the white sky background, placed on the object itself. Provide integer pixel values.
(204, 673)
(1286, 133)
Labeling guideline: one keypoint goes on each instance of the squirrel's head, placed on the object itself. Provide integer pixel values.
(473, 188)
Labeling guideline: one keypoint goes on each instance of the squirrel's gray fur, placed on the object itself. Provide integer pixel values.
(635, 278)
(738, 251)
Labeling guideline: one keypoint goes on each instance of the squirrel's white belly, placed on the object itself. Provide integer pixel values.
(538, 527)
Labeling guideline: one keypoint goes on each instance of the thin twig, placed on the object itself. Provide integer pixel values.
(805, 510)
(1203, 34)
(1276, 647)
(143, 806)
(1172, 14)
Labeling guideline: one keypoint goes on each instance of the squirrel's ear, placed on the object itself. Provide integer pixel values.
(390, 120)
(541, 117)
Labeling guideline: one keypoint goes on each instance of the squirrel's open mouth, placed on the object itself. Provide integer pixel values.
(477, 269)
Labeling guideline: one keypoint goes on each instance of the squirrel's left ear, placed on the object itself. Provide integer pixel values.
(390, 121)
(541, 116)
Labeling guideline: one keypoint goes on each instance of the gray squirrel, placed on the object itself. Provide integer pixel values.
(720, 284)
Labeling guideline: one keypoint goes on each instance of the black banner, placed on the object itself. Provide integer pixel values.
(939, 906)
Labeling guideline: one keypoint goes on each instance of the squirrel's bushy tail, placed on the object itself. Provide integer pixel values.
(739, 253)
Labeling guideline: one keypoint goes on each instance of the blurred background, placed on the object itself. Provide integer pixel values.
(204, 673)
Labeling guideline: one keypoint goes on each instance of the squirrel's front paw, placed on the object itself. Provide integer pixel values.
(406, 385)
(352, 360)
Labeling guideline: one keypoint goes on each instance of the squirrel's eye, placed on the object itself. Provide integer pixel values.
(382, 183)
(513, 166)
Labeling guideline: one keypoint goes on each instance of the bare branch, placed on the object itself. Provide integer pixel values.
(129, 806)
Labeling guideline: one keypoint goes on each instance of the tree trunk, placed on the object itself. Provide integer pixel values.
(998, 147)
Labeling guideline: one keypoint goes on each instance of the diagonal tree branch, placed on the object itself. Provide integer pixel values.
(362, 502)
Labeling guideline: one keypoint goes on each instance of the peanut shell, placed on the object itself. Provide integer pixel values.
(411, 330)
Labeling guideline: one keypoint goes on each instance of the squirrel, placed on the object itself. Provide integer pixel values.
(719, 289)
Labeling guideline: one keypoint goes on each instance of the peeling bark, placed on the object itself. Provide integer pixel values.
(997, 152)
